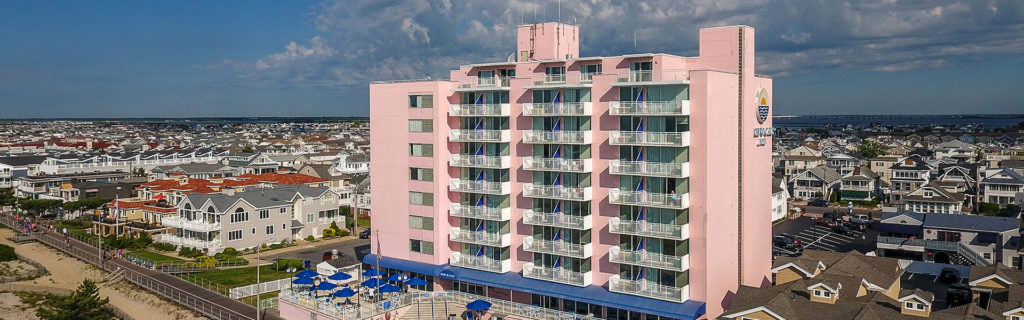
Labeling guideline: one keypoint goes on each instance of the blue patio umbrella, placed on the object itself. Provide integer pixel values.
(344, 293)
(396, 277)
(303, 281)
(478, 305)
(389, 288)
(415, 282)
(373, 272)
(307, 274)
(339, 276)
(326, 286)
(372, 283)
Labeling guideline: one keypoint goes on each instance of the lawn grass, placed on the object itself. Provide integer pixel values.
(238, 277)
(155, 257)
(364, 222)
(252, 301)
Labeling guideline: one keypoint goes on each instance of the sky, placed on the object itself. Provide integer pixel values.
(316, 58)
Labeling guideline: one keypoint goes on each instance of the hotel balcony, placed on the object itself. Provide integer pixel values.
(480, 212)
(648, 259)
(647, 168)
(649, 108)
(557, 164)
(649, 138)
(479, 110)
(480, 161)
(557, 137)
(480, 237)
(559, 220)
(194, 225)
(479, 186)
(650, 199)
(648, 289)
(479, 262)
(557, 192)
(559, 275)
(566, 80)
(652, 77)
(555, 109)
(558, 247)
(484, 83)
(474, 135)
(649, 229)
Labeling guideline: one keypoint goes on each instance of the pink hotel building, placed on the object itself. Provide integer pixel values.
(628, 187)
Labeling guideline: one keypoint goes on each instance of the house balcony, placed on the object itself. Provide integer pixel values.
(555, 109)
(649, 108)
(480, 212)
(650, 199)
(479, 263)
(558, 192)
(474, 135)
(652, 77)
(186, 224)
(557, 164)
(479, 110)
(480, 186)
(648, 259)
(647, 168)
(480, 161)
(213, 245)
(558, 219)
(480, 237)
(558, 247)
(648, 289)
(649, 229)
(559, 275)
(649, 138)
(557, 137)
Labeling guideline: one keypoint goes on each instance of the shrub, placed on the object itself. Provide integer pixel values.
(343, 233)
(988, 208)
(164, 246)
(310, 238)
(190, 252)
(276, 246)
(7, 253)
(230, 252)
(283, 264)
(328, 233)
(206, 262)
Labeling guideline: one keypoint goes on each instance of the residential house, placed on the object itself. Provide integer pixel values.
(195, 171)
(933, 198)
(844, 162)
(251, 163)
(290, 160)
(1002, 186)
(881, 165)
(859, 184)
(818, 182)
(39, 186)
(950, 238)
(779, 196)
(999, 289)
(908, 174)
(355, 163)
(955, 149)
(13, 167)
(801, 158)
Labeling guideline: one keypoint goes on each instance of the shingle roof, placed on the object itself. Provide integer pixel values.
(22, 160)
(969, 222)
(1004, 175)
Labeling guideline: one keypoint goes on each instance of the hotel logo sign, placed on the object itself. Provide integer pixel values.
(762, 105)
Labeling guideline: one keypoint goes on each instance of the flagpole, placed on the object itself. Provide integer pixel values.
(378, 264)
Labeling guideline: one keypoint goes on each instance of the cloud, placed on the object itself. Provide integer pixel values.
(364, 40)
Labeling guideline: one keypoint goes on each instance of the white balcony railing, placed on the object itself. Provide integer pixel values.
(480, 237)
(473, 135)
(649, 229)
(558, 219)
(557, 192)
(570, 79)
(648, 259)
(559, 275)
(194, 225)
(479, 262)
(549, 109)
(213, 245)
(480, 212)
(648, 289)
(558, 247)
(479, 110)
(479, 186)
(649, 108)
(475, 161)
(647, 168)
(649, 199)
(485, 82)
(653, 76)
(557, 137)
(557, 164)
(649, 138)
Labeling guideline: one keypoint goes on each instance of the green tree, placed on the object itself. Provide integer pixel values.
(872, 148)
(34, 206)
(83, 304)
(248, 149)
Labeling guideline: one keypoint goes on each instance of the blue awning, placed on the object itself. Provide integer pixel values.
(405, 265)
(590, 294)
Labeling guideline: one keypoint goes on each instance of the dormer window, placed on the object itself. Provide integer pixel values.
(822, 293)
(928, 194)
(914, 306)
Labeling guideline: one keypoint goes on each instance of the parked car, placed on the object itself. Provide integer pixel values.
(825, 222)
(776, 251)
(784, 243)
(327, 255)
(861, 219)
(949, 275)
(841, 229)
(794, 238)
(855, 226)
(365, 234)
(818, 203)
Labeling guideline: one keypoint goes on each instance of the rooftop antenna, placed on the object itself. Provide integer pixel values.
(634, 42)
(559, 11)
(522, 19)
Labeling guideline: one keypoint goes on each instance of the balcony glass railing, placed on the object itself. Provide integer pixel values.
(648, 289)
(557, 137)
(557, 219)
(557, 247)
(559, 275)
(481, 237)
(556, 192)
(556, 164)
(654, 76)
(485, 82)
(649, 108)
(650, 199)
(479, 262)
(480, 212)
(548, 109)
(649, 138)
(479, 110)
(647, 168)
(473, 135)
(479, 186)
(643, 258)
(649, 229)
(479, 161)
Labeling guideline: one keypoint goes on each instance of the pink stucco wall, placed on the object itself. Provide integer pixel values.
(549, 41)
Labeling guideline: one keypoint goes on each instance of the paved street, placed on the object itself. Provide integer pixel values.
(822, 238)
(820, 210)
(352, 250)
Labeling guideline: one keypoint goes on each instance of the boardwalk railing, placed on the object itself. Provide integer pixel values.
(250, 290)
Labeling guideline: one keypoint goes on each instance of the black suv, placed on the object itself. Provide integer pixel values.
(365, 234)
(818, 203)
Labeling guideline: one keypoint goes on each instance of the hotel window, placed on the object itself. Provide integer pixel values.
(421, 198)
(421, 101)
(554, 74)
(421, 125)
(587, 72)
(235, 235)
(421, 223)
(424, 247)
(270, 229)
(421, 174)
(264, 214)
(421, 150)
(485, 77)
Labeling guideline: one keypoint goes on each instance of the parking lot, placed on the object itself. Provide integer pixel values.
(818, 237)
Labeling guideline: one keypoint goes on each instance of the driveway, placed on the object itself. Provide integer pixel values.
(352, 251)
